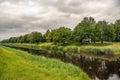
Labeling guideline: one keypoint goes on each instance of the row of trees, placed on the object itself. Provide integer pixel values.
(34, 37)
(87, 30)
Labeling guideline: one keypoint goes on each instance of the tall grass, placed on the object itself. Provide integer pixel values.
(19, 65)
(106, 49)
(97, 51)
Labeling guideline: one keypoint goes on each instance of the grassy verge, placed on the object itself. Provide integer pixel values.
(107, 50)
(19, 65)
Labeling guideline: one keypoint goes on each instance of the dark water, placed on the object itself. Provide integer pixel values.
(101, 69)
(97, 69)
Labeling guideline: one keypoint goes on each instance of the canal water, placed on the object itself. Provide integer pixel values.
(97, 69)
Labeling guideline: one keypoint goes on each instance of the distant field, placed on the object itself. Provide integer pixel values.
(19, 65)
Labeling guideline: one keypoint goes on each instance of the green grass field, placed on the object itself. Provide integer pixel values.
(19, 65)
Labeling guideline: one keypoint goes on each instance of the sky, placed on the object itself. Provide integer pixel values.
(18, 17)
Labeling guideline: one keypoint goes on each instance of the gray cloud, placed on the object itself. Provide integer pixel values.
(18, 17)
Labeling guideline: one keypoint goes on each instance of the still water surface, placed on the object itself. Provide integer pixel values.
(99, 69)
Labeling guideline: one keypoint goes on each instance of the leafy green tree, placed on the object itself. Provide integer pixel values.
(87, 29)
(83, 29)
(46, 35)
(26, 38)
(117, 30)
(105, 31)
(12, 40)
(35, 37)
(62, 35)
(109, 32)
(94, 34)
(78, 34)
(50, 35)
(101, 30)
(20, 39)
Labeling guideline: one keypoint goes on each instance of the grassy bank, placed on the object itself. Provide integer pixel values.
(108, 50)
(19, 65)
(107, 45)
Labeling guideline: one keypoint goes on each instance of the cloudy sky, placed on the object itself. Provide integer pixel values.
(18, 17)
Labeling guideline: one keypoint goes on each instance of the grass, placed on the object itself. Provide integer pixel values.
(108, 50)
(19, 65)
(115, 46)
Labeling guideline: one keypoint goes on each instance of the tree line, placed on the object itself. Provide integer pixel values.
(88, 30)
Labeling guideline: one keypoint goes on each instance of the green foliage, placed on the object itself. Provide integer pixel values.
(105, 31)
(117, 30)
(109, 33)
(36, 37)
(83, 29)
(94, 34)
(47, 36)
(20, 39)
(62, 35)
(88, 30)
(26, 38)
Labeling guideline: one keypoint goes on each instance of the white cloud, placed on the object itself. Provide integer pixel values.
(24, 16)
